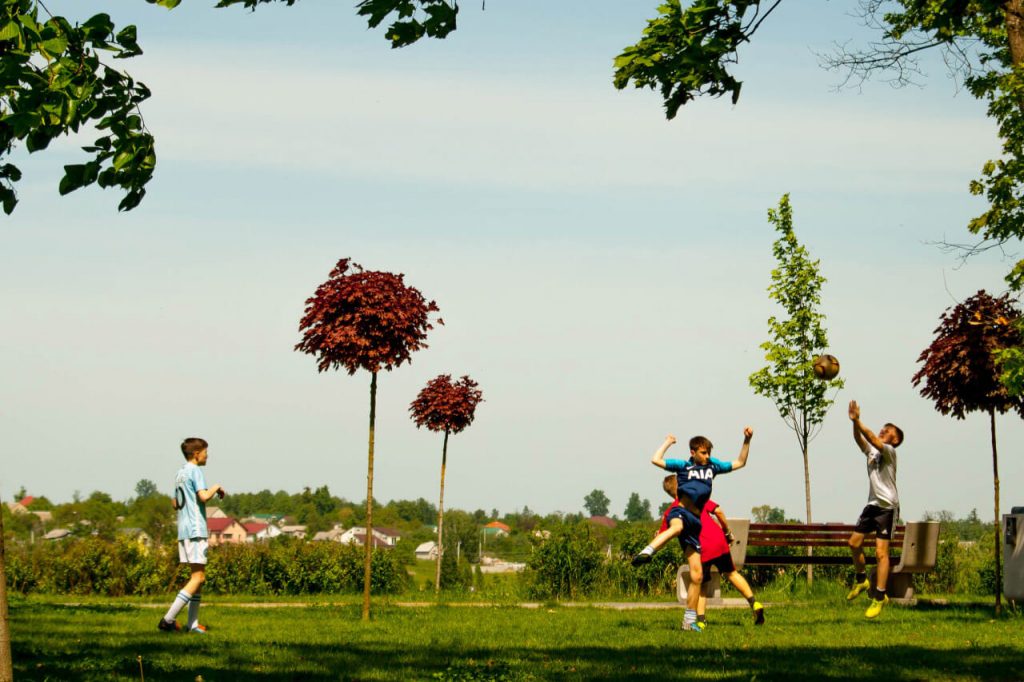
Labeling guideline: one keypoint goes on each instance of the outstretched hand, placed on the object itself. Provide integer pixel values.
(854, 410)
(748, 433)
(670, 439)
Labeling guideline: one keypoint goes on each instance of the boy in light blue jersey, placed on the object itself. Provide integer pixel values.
(694, 477)
(190, 498)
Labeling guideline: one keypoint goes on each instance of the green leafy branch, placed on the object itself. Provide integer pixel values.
(53, 82)
(687, 53)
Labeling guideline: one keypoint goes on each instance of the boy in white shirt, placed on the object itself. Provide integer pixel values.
(190, 498)
(882, 511)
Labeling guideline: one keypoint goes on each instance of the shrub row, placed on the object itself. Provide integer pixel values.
(575, 562)
(123, 567)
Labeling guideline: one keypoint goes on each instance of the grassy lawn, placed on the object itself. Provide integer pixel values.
(103, 640)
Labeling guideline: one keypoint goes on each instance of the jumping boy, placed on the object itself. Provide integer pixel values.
(190, 498)
(694, 477)
(882, 511)
(715, 540)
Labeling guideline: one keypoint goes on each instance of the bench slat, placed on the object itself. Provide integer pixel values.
(757, 560)
(811, 527)
(801, 543)
(779, 537)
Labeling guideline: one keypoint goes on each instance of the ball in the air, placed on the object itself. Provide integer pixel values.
(826, 367)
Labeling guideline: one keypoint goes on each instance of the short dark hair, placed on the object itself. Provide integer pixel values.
(671, 486)
(191, 446)
(899, 434)
(698, 442)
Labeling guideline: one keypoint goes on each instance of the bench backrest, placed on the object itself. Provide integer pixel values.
(916, 542)
(810, 535)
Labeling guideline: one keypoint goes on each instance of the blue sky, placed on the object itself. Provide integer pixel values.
(601, 271)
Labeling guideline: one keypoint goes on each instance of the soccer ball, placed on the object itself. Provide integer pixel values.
(826, 367)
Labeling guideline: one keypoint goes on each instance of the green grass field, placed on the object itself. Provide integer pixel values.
(104, 640)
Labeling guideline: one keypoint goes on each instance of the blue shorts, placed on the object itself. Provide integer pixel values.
(690, 536)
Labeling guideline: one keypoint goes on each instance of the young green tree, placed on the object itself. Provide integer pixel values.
(596, 503)
(369, 320)
(959, 374)
(795, 339)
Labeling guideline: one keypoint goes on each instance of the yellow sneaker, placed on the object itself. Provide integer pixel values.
(875, 607)
(857, 589)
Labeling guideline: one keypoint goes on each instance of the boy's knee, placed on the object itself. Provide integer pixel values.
(697, 575)
(855, 542)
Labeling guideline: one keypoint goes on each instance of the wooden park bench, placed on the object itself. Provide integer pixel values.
(913, 549)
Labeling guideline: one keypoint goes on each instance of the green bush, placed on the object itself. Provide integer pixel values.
(123, 567)
(566, 565)
(655, 578)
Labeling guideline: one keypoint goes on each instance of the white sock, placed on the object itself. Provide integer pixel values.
(690, 617)
(647, 550)
(180, 600)
(193, 611)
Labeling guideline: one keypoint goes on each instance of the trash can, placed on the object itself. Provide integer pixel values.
(1013, 554)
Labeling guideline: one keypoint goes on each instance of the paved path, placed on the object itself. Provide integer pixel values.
(619, 606)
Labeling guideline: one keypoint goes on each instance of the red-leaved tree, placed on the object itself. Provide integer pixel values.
(449, 407)
(960, 374)
(360, 319)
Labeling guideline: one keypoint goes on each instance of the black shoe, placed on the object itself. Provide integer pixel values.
(168, 626)
(641, 559)
(758, 613)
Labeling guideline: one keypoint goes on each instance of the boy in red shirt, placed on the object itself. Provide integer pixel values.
(715, 539)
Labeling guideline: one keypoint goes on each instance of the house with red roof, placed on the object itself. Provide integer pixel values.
(225, 530)
(257, 530)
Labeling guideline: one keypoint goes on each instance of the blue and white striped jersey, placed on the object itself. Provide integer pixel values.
(191, 511)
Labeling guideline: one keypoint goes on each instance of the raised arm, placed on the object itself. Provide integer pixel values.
(862, 434)
(658, 459)
(741, 460)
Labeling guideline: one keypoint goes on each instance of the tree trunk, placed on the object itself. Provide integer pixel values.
(999, 535)
(368, 557)
(1014, 11)
(6, 667)
(440, 515)
(807, 500)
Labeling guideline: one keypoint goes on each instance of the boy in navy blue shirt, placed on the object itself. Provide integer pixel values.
(694, 478)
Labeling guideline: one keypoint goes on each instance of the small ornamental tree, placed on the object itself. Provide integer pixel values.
(444, 406)
(796, 339)
(960, 374)
(360, 319)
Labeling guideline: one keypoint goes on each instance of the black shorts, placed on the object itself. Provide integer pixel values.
(876, 520)
(724, 564)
